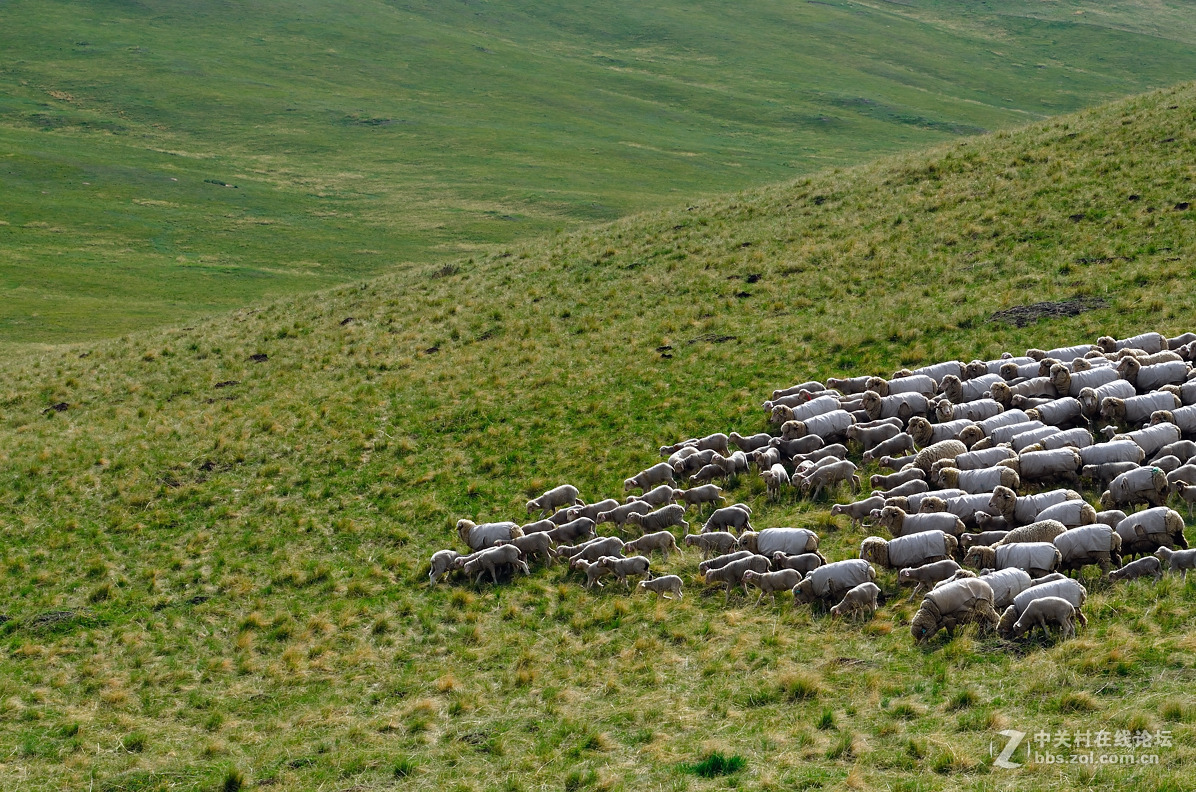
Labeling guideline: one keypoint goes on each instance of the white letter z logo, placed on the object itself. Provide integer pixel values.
(1015, 739)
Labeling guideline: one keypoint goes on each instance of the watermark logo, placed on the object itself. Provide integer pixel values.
(1102, 747)
(1015, 739)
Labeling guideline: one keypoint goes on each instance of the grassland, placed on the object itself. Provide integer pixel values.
(162, 160)
(213, 565)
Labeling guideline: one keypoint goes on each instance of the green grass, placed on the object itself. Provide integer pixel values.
(161, 161)
(202, 581)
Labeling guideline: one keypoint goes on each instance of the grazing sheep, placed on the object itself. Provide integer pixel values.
(1150, 529)
(1022, 510)
(902, 441)
(771, 582)
(1007, 584)
(927, 575)
(592, 570)
(663, 586)
(1181, 449)
(1078, 438)
(979, 368)
(721, 561)
(534, 545)
(696, 496)
(901, 405)
(1141, 485)
(1111, 517)
(479, 537)
(986, 522)
(1147, 342)
(984, 539)
(709, 543)
(850, 386)
(624, 568)
(804, 563)
(1060, 464)
(836, 451)
(858, 599)
(918, 383)
(983, 428)
(751, 442)
(868, 437)
(736, 463)
(1089, 544)
(1167, 464)
(646, 544)
(945, 449)
(1144, 566)
(591, 510)
(1058, 412)
(907, 551)
(1070, 514)
(593, 549)
(811, 386)
(831, 581)
(900, 524)
(619, 514)
(732, 573)
(1117, 451)
(1091, 399)
(857, 511)
(1071, 383)
(911, 487)
(581, 528)
(492, 559)
(925, 433)
(975, 482)
(1177, 560)
(441, 563)
(1151, 438)
(829, 475)
(1046, 610)
(1186, 492)
(775, 478)
(1003, 392)
(660, 519)
(1137, 410)
(729, 518)
(1010, 371)
(1003, 434)
(790, 541)
(1183, 417)
(541, 526)
(549, 502)
(979, 410)
(1022, 440)
(912, 504)
(951, 604)
(1036, 558)
(679, 454)
(659, 473)
(657, 496)
(1148, 378)
(782, 413)
(692, 463)
(715, 442)
(967, 508)
(896, 479)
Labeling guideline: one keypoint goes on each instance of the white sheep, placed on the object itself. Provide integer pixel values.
(534, 545)
(592, 550)
(619, 514)
(828, 426)
(1001, 434)
(1117, 451)
(936, 371)
(1057, 412)
(979, 410)
(1061, 353)
(911, 487)
(1142, 567)
(1186, 493)
(1070, 514)
(553, 499)
(1060, 464)
(721, 561)
(859, 599)
(849, 386)
(1177, 560)
(657, 496)
(591, 510)
(660, 473)
(782, 413)
(1141, 485)
(771, 582)
(1089, 544)
(978, 368)
(592, 570)
(951, 604)
(710, 543)
(1046, 610)
(857, 511)
(804, 563)
(790, 541)
(868, 436)
(811, 386)
(775, 478)
(1092, 398)
(1150, 529)
(479, 537)
(900, 524)
(902, 441)
(1036, 558)
(983, 538)
(663, 586)
(1147, 342)
(1149, 378)
(492, 559)
(1072, 383)
(1151, 438)
(731, 574)
(751, 442)
(624, 568)
(829, 475)
(1078, 438)
(441, 563)
(1006, 584)
(696, 496)
(975, 482)
(983, 428)
(660, 519)
(984, 458)
(1136, 410)
(896, 479)
(901, 405)
(646, 544)
(927, 575)
(581, 528)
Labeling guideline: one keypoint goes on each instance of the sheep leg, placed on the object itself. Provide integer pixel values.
(760, 598)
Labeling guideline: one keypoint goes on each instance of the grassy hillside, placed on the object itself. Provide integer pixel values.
(163, 160)
(214, 549)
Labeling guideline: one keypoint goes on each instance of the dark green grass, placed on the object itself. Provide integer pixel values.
(356, 138)
(202, 580)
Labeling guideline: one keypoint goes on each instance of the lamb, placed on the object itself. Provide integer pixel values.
(983, 539)
(591, 550)
(619, 514)
(1148, 342)
(979, 410)
(1091, 398)
(1023, 440)
(811, 409)
(911, 550)
(896, 479)
(1104, 474)
(1177, 560)
(1089, 544)
(729, 518)
(1007, 584)
(831, 581)
(978, 368)
(1117, 451)
(479, 537)
(659, 473)
(660, 519)
(736, 463)
(624, 568)
(581, 528)
(1036, 558)
(1060, 464)
(952, 604)
(771, 582)
(805, 563)
(925, 433)
(838, 451)
(1150, 529)
(1071, 383)
(696, 496)
(732, 574)
(441, 563)
(491, 559)
(716, 442)
(1136, 410)
(663, 586)
(828, 426)
(857, 511)
(592, 570)
(1039, 530)
(1152, 438)
(657, 496)
(917, 383)
(927, 575)
(899, 442)
(721, 561)
(812, 386)
(1058, 412)
(660, 540)
(1043, 610)
(751, 442)
(1078, 438)
(775, 478)
(714, 542)
(540, 526)
(829, 475)
(1071, 514)
(984, 458)
(975, 482)
(899, 523)
(1069, 590)
(1141, 485)
(868, 437)
(790, 541)
(1146, 565)
(534, 545)
(694, 462)
(765, 458)
(1186, 492)
(591, 510)
(911, 487)
(549, 502)
(1148, 378)
(901, 405)
(858, 599)
(896, 463)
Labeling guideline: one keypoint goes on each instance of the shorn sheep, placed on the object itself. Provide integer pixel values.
(1177, 560)
(663, 586)
(1044, 611)
(771, 582)
(662, 541)
(716, 542)
(830, 582)
(555, 498)
(1146, 566)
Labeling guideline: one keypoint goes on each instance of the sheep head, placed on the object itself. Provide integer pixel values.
(1008, 620)
(875, 550)
(926, 622)
(1003, 500)
(980, 557)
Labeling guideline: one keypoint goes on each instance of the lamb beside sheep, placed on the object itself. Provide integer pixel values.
(1177, 560)
(441, 563)
(661, 541)
(1146, 566)
(660, 473)
(491, 560)
(625, 568)
(831, 582)
(715, 542)
(1047, 610)
(927, 575)
(953, 604)
(663, 586)
(858, 510)
(734, 518)
(659, 520)
(858, 599)
(732, 573)
(771, 582)
(549, 502)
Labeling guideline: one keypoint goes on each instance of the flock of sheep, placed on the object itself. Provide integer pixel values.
(988, 460)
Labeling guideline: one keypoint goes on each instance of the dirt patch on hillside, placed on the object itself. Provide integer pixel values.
(1022, 315)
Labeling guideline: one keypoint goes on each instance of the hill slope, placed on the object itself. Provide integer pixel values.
(163, 160)
(214, 562)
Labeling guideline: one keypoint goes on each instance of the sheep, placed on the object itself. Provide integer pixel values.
(660, 540)
(1007, 584)
(983, 428)
(479, 537)
(441, 563)
(714, 542)
(1152, 438)
(1148, 378)
(1089, 544)
(696, 496)
(1111, 517)
(1024, 439)
(1148, 342)
(831, 581)
(911, 487)
(491, 559)
(850, 386)
(790, 449)
(811, 386)
(896, 479)
(959, 391)
(1167, 464)
(729, 518)
(898, 523)
(765, 458)
(1003, 393)
(899, 442)
(1043, 610)
(1117, 451)
(927, 575)
(592, 570)
(1057, 412)
(679, 454)
(732, 574)
(966, 507)
(592, 550)
(1060, 464)
(1034, 530)
(1184, 474)
(910, 550)
(858, 599)
(912, 504)
(619, 514)
(1177, 560)
(771, 582)
(1186, 492)
(775, 478)
(804, 563)
(660, 519)
(1091, 398)
(694, 462)
(1078, 438)
(591, 510)
(944, 449)
(751, 442)
(782, 413)
(1140, 485)
(1071, 513)
(657, 496)
(534, 545)
(721, 561)
(790, 541)
(975, 482)
(1183, 449)
(1136, 410)
(663, 586)
(1010, 371)
(659, 473)
(1183, 417)
(1146, 565)
(736, 463)
(952, 604)
(624, 568)
(857, 511)
(1150, 529)
(936, 371)
(829, 475)
(901, 405)
(716, 442)
(917, 383)
(984, 458)
(1003, 434)
(978, 368)
(581, 528)
(1062, 353)
(828, 426)
(896, 463)
(925, 433)
(979, 410)
(868, 437)
(986, 523)
(1036, 558)
(553, 499)
(540, 526)
(1071, 383)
